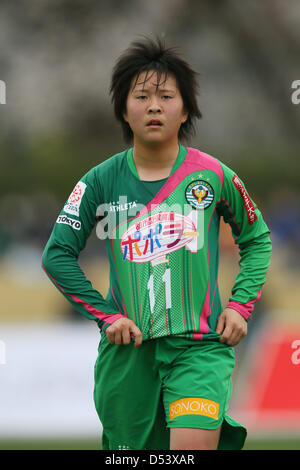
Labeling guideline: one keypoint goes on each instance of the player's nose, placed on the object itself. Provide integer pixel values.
(154, 106)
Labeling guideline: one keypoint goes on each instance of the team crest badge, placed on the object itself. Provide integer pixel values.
(199, 194)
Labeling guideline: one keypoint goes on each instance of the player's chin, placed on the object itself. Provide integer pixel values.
(158, 138)
(154, 134)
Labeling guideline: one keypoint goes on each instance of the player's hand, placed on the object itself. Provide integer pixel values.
(122, 330)
(231, 326)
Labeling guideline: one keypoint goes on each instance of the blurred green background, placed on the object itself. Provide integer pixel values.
(56, 59)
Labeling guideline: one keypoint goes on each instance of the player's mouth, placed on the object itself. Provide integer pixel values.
(154, 124)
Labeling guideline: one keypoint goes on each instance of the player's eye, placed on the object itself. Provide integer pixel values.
(166, 97)
(141, 97)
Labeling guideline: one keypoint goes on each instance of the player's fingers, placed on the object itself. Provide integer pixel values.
(118, 336)
(110, 333)
(220, 324)
(238, 333)
(137, 335)
(233, 339)
(225, 337)
(126, 337)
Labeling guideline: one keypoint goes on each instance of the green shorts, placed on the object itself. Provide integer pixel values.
(168, 382)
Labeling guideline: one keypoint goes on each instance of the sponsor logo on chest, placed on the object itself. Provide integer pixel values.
(160, 234)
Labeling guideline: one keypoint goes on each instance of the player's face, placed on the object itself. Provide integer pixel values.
(155, 113)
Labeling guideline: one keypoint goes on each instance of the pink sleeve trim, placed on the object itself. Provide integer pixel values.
(106, 317)
(244, 309)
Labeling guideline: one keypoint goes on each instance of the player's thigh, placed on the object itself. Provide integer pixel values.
(123, 375)
(127, 393)
(194, 438)
(197, 386)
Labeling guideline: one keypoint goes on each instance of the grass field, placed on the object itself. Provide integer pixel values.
(288, 443)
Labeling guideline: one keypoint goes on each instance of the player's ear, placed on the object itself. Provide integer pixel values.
(185, 115)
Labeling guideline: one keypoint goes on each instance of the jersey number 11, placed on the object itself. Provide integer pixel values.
(166, 278)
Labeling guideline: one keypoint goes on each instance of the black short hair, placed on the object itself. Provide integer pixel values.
(152, 54)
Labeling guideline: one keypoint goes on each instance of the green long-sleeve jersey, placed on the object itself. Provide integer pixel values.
(162, 244)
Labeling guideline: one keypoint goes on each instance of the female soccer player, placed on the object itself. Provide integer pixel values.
(166, 355)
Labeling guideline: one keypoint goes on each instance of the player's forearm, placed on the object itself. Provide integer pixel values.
(254, 262)
(63, 270)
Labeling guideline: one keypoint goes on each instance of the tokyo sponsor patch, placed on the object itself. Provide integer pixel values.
(199, 194)
(63, 219)
(75, 198)
(194, 406)
(250, 209)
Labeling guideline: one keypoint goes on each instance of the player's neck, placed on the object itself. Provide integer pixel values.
(155, 161)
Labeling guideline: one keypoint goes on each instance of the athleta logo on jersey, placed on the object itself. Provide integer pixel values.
(63, 219)
(75, 198)
(250, 209)
(120, 206)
